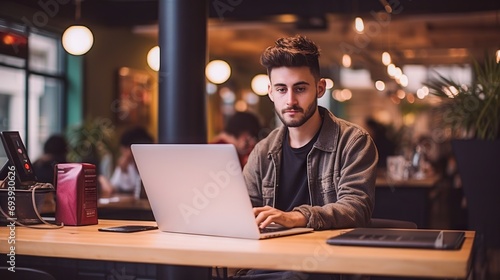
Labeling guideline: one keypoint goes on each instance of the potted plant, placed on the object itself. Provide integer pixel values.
(93, 141)
(472, 111)
(473, 114)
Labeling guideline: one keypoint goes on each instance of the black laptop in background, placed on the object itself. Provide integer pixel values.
(16, 167)
(400, 238)
(17, 156)
(14, 155)
(4, 160)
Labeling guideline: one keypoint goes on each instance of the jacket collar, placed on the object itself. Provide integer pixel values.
(329, 131)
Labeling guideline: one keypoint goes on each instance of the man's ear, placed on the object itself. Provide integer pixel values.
(321, 88)
(269, 93)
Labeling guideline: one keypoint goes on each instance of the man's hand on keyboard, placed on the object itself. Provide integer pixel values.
(267, 215)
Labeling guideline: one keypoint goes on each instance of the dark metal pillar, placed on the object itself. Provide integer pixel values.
(183, 54)
(181, 101)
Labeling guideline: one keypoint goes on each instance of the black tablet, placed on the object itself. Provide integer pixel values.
(400, 238)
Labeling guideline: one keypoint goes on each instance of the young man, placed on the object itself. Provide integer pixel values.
(316, 170)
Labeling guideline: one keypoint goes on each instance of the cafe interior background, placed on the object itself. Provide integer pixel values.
(376, 54)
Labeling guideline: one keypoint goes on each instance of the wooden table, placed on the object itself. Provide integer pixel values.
(305, 252)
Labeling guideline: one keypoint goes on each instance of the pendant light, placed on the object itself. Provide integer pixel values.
(346, 60)
(153, 58)
(260, 84)
(218, 71)
(359, 25)
(386, 58)
(77, 39)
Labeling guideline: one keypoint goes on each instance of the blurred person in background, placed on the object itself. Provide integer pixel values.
(55, 150)
(242, 130)
(125, 178)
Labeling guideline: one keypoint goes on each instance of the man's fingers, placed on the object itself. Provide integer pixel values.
(262, 215)
(266, 222)
(258, 210)
(267, 215)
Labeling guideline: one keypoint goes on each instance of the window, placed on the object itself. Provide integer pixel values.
(31, 85)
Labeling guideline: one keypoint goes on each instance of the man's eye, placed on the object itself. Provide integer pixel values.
(281, 90)
(300, 89)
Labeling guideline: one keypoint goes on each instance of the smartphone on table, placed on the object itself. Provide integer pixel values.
(128, 228)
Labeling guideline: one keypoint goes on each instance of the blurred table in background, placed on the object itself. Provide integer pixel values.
(124, 207)
(408, 199)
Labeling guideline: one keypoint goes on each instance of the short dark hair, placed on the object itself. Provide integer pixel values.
(56, 145)
(294, 51)
(136, 135)
(242, 122)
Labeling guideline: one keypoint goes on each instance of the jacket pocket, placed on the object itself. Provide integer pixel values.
(268, 193)
(328, 189)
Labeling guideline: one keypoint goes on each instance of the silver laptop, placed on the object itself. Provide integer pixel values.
(199, 189)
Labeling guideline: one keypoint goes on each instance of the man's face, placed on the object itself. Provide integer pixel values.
(294, 92)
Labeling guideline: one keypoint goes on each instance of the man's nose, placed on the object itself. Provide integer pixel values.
(290, 99)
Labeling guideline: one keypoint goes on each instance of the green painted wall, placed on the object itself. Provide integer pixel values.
(74, 98)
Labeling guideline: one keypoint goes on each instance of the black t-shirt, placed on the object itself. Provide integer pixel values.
(292, 190)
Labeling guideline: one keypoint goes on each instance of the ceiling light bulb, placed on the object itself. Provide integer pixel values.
(346, 94)
(77, 39)
(403, 80)
(329, 83)
(359, 25)
(260, 84)
(153, 58)
(386, 58)
(386, 5)
(380, 85)
(398, 73)
(498, 56)
(391, 69)
(218, 71)
(346, 61)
